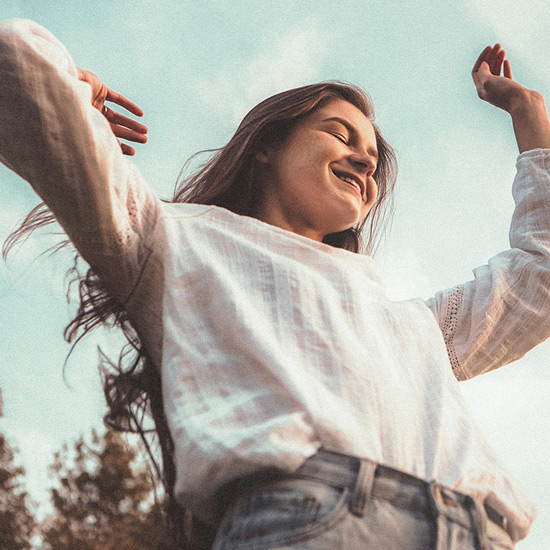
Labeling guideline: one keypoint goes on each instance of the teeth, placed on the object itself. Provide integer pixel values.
(350, 180)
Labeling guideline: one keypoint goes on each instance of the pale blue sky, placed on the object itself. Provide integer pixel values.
(195, 68)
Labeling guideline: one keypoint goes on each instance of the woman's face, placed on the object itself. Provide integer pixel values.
(319, 180)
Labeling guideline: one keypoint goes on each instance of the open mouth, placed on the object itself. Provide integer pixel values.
(351, 180)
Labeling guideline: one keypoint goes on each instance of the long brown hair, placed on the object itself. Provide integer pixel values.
(227, 179)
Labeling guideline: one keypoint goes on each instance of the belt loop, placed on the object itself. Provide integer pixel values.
(479, 522)
(363, 487)
(434, 494)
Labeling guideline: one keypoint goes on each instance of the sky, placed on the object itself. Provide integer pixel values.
(196, 68)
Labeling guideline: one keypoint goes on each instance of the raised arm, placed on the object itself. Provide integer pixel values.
(504, 311)
(526, 107)
(54, 138)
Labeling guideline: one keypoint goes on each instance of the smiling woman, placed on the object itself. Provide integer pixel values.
(295, 404)
(334, 149)
(242, 176)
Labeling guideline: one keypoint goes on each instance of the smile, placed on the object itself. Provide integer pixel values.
(352, 180)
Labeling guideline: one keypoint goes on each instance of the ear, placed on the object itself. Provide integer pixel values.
(265, 153)
(262, 157)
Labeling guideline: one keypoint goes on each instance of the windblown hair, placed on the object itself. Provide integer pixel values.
(228, 179)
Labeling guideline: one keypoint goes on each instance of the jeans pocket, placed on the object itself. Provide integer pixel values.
(280, 514)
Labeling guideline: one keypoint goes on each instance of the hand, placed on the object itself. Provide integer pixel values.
(123, 127)
(526, 107)
(500, 91)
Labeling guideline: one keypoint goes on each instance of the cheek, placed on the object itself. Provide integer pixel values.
(372, 194)
(305, 160)
(302, 169)
(313, 149)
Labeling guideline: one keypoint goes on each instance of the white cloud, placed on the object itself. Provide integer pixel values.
(290, 60)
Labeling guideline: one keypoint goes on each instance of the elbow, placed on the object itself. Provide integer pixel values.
(24, 44)
(15, 33)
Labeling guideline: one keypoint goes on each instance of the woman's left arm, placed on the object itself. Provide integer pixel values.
(526, 107)
(505, 311)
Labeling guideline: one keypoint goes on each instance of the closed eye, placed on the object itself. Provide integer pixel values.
(340, 137)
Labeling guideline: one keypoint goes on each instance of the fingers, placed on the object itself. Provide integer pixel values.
(507, 70)
(116, 119)
(494, 56)
(127, 150)
(122, 126)
(482, 57)
(126, 133)
(123, 102)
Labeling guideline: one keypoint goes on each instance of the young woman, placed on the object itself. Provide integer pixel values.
(300, 408)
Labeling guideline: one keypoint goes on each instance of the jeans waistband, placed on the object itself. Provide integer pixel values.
(431, 498)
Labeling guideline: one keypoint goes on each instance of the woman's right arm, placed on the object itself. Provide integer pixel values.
(52, 136)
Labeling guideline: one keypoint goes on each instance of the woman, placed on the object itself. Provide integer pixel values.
(300, 406)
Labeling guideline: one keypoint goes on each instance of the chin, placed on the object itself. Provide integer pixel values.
(346, 224)
(341, 219)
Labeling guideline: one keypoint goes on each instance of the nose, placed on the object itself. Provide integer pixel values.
(365, 162)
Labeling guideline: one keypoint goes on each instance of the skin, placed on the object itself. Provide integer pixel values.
(526, 107)
(302, 192)
(122, 126)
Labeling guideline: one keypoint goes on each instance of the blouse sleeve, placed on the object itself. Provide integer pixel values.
(505, 311)
(52, 137)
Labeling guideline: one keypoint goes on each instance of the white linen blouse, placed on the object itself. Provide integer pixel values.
(272, 345)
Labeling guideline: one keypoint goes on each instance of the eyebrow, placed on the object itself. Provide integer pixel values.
(352, 130)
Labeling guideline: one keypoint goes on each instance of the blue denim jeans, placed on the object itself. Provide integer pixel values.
(336, 502)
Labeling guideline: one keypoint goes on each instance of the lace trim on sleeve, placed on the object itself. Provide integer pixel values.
(453, 309)
(137, 216)
(108, 245)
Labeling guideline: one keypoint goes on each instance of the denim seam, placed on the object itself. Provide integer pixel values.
(306, 533)
(425, 512)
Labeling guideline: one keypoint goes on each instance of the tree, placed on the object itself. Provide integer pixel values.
(102, 501)
(16, 521)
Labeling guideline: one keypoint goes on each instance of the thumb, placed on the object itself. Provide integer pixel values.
(482, 75)
(484, 69)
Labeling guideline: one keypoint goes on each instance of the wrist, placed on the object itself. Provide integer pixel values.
(530, 121)
(525, 103)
